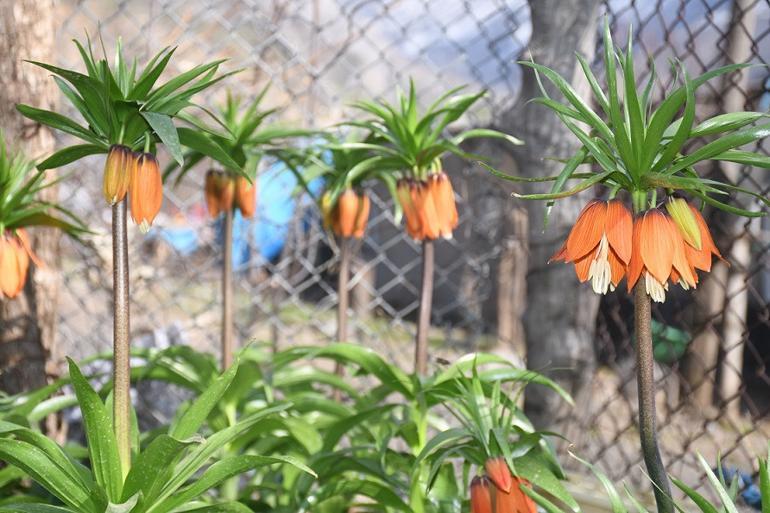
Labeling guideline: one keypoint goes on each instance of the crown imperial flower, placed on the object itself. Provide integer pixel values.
(350, 214)
(117, 173)
(245, 197)
(145, 190)
(599, 244)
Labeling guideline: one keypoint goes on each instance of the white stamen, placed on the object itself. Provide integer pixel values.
(144, 226)
(600, 271)
(655, 289)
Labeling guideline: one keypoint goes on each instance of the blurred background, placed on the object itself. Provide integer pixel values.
(494, 291)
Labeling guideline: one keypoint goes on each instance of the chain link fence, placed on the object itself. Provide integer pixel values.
(320, 55)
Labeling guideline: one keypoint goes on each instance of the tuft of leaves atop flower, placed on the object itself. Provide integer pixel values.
(244, 140)
(20, 205)
(410, 143)
(637, 147)
(120, 104)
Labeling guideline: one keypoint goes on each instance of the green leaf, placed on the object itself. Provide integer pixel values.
(34, 508)
(719, 146)
(726, 123)
(747, 158)
(699, 500)
(196, 141)
(58, 122)
(102, 446)
(45, 472)
(153, 468)
(71, 154)
(727, 502)
(192, 419)
(615, 502)
(166, 131)
(531, 467)
(672, 148)
(224, 469)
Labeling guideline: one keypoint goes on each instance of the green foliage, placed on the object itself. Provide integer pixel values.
(170, 470)
(244, 141)
(20, 206)
(637, 147)
(409, 143)
(122, 105)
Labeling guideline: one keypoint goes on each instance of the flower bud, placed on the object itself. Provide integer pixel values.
(245, 197)
(117, 173)
(328, 211)
(481, 497)
(146, 190)
(680, 212)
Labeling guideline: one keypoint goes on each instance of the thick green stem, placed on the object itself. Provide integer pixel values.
(227, 292)
(646, 391)
(121, 342)
(426, 300)
(343, 300)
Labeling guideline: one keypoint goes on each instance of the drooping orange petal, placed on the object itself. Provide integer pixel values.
(588, 230)
(583, 266)
(619, 228)
(22, 262)
(10, 278)
(617, 267)
(362, 216)
(245, 197)
(481, 498)
(426, 210)
(707, 242)
(499, 473)
(656, 244)
(514, 501)
(347, 211)
(405, 195)
(526, 504)
(444, 200)
(635, 265)
(211, 193)
(679, 262)
(560, 255)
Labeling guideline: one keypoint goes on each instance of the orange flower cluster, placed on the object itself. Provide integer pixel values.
(224, 192)
(350, 215)
(429, 207)
(138, 175)
(499, 491)
(15, 254)
(605, 245)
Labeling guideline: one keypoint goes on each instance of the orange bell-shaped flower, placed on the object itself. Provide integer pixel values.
(15, 254)
(425, 206)
(599, 244)
(351, 214)
(245, 197)
(117, 173)
(658, 255)
(145, 190)
(444, 201)
(412, 220)
(481, 495)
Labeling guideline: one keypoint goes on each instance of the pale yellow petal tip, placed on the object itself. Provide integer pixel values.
(684, 219)
(144, 226)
